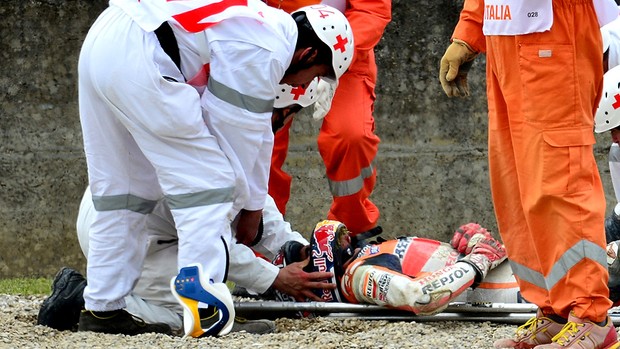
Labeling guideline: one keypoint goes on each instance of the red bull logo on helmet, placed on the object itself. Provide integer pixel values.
(325, 236)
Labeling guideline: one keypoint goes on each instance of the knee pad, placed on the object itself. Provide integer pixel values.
(190, 289)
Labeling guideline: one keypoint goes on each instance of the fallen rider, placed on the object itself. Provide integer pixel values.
(408, 273)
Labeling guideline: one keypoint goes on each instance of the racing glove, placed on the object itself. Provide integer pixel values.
(466, 237)
(454, 66)
(485, 255)
(612, 227)
(324, 95)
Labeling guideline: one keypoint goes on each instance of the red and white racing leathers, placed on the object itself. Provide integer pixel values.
(423, 276)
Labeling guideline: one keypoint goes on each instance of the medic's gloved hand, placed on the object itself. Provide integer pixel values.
(486, 254)
(324, 95)
(467, 235)
(454, 66)
(612, 227)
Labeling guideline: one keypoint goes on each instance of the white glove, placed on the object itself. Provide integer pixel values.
(324, 95)
(612, 253)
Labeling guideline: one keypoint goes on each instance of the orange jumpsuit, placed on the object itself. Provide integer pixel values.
(542, 91)
(347, 142)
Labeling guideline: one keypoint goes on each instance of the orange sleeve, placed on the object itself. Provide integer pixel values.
(469, 27)
(368, 20)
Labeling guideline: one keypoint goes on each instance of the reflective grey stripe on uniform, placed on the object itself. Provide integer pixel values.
(203, 198)
(351, 186)
(614, 154)
(124, 202)
(581, 250)
(238, 99)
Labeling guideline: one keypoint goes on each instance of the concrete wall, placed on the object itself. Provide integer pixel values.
(432, 162)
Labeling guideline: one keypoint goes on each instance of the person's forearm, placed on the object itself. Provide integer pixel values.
(469, 27)
(249, 271)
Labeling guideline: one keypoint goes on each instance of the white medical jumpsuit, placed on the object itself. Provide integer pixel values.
(148, 136)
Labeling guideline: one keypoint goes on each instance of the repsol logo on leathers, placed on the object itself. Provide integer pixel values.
(454, 275)
(378, 284)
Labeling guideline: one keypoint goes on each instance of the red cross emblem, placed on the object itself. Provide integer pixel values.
(616, 104)
(340, 43)
(298, 91)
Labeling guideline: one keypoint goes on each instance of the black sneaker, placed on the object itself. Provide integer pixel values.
(208, 316)
(259, 326)
(118, 322)
(61, 310)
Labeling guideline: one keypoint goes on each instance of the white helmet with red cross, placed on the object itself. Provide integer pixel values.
(608, 113)
(333, 29)
(288, 95)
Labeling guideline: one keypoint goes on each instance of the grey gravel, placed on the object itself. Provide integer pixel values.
(19, 330)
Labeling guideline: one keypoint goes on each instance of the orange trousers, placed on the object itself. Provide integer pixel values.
(348, 146)
(347, 142)
(543, 89)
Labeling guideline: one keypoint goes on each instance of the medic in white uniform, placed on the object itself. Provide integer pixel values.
(153, 131)
(151, 298)
(607, 118)
(610, 120)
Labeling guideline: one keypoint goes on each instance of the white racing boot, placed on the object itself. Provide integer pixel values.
(191, 290)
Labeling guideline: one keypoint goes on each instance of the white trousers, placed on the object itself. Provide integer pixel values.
(144, 139)
(151, 298)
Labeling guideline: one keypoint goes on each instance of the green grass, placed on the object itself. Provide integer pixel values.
(25, 286)
(40, 286)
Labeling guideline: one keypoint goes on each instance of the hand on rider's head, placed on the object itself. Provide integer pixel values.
(297, 283)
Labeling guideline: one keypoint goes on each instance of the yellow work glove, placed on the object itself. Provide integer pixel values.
(454, 67)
